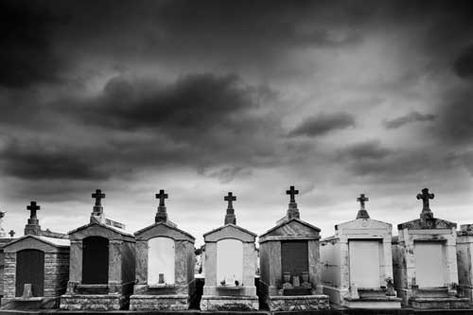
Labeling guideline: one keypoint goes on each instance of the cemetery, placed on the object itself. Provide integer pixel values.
(361, 269)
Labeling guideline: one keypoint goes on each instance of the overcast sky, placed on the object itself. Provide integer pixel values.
(205, 97)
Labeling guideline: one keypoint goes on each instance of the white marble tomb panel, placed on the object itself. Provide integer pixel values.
(365, 263)
(229, 261)
(161, 260)
(429, 264)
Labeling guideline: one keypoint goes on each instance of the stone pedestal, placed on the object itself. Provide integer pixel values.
(425, 263)
(224, 291)
(174, 293)
(357, 264)
(108, 287)
(39, 264)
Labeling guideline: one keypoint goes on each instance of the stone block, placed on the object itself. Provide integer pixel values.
(159, 302)
(229, 303)
(298, 303)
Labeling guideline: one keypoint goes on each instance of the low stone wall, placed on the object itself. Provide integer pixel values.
(299, 303)
(93, 302)
(159, 303)
(229, 303)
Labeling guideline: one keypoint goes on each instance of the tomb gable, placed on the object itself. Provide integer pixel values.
(363, 224)
(230, 231)
(45, 244)
(293, 229)
(165, 230)
(99, 229)
(427, 224)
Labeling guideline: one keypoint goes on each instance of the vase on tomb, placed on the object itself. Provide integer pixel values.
(161, 278)
(296, 281)
(305, 277)
(287, 277)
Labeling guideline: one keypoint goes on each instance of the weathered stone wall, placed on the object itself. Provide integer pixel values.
(56, 273)
(9, 275)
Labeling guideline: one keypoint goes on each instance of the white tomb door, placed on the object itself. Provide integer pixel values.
(429, 260)
(364, 263)
(161, 261)
(229, 261)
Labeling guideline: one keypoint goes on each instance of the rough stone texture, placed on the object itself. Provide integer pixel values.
(121, 273)
(335, 258)
(299, 303)
(464, 260)
(159, 303)
(56, 272)
(419, 230)
(100, 302)
(229, 303)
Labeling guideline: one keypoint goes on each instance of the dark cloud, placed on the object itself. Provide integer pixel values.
(40, 161)
(368, 150)
(463, 65)
(409, 118)
(322, 124)
(27, 55)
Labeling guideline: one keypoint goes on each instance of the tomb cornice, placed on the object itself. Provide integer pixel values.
(427, 224)
(287, 228)
(270, 238)
(36, 242)
(99, 229)
(227, 232)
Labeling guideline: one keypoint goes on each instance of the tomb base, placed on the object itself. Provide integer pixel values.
(91, 302)
(298, 303)
(30, 303)
(376, 299)
(159, 302)
(439, 303)
(229, 303)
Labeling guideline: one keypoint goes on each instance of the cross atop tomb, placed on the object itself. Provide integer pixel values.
(292, 192)
(230, 198)
(161, 215)
(425, 196)
(33, 207)
(230, 216)
(161, 196)
(12, 233)
(362, 213)
(98, 196)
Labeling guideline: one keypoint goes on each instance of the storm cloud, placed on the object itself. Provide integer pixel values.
(409, 118)
(322, 124)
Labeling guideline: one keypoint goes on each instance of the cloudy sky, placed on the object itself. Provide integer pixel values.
(204, 97)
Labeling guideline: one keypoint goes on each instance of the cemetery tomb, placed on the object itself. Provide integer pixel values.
(425, 261)
(36, 267)
(465, 260)
(164, 265)
(290, 265)
(230, 266)
(357, 263)
(4, 239)
(102, 264)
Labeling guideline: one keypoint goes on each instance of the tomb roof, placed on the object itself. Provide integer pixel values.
(229, 226)
(57, 242)
(285, 229)
(106, 226)
(167, 225)
(426, 224)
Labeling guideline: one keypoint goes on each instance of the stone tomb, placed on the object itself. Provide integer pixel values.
(164, 265)
(4, 239)
(425, 261)
(36, 267)
(102, 264)
(465, 260)
(290, 269)
(230, 267)
(357, 263)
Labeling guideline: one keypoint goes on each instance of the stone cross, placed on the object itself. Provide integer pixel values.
(362, 199)
(12, 233)
(161, 215)
(425, 196)
(362, 213)
(33, 207)
(292, 192)
(98, 196)
(230, 198)
(161, 196)
(230, 217)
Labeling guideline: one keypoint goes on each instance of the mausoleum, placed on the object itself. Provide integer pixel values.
(164, 265)
(357, 263)
(290, 269)
(36, 267)
(465, 260)
(102, 264)
(425, 261)
(230, 266)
